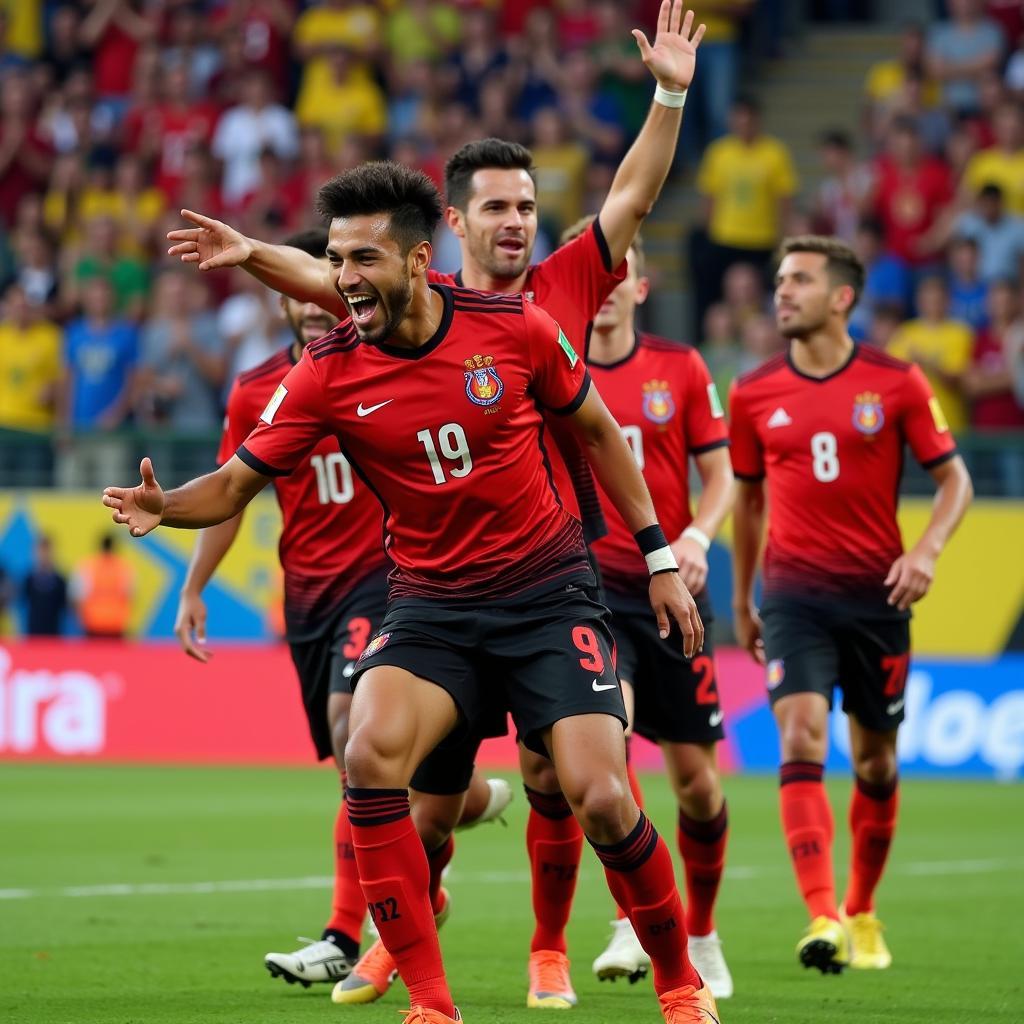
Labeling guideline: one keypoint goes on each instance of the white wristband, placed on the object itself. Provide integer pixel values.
(661, 560)
(669, 98)
(698, 536)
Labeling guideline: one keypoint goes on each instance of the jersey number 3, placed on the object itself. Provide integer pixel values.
(451, 440)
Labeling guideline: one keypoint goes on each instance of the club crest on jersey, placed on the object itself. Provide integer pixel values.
(776, 673)
(868, 417)
(483, 385)
(659, 406)
(375, 645)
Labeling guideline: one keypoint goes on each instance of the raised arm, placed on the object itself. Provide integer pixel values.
(748, 519)
(205, 501)
(638, 182)
(213, 245)
(617, 472)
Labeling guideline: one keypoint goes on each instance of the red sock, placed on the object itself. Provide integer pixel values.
(438, 860)
(639, 873)
(348, 907)
(554, 841)
(638, 796)
(702, 847)
(396, 880)
(807, 825)
(872, 822)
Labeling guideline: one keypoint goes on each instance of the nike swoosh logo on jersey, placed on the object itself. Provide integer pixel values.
(895, 707)
(607, 686)
(779, 418)
(715, 719)
(366, 410)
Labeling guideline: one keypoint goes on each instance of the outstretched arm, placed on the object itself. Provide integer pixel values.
(205, 501)
(617, 472)
(638, 182)
(912, 573)
(213, 245)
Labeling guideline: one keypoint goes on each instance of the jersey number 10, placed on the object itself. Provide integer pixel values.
(333, 479)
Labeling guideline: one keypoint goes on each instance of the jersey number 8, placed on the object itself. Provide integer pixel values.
(826, 457)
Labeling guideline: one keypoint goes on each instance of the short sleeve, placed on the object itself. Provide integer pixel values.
(704, 417)
(583, 268)
(560, 378)
(745, 445)
(956, 356)
(238, 424)
(290, 425)
(923, 423)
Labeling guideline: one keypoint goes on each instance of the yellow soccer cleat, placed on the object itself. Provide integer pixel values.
(825, 945)
(689, 1005)
(550, 987)
(869, 951)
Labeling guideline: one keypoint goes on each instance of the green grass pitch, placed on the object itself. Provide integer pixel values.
(157, 947)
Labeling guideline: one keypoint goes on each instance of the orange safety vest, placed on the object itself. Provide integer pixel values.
(106, 603)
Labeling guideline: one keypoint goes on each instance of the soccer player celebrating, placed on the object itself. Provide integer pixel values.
(824, 427)
(493, 211)
(663, 398)
(433, 393)
(335, 593)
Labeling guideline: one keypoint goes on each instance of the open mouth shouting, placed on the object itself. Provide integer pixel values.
(362, 306)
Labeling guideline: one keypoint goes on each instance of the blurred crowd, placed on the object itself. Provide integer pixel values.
(114, 114)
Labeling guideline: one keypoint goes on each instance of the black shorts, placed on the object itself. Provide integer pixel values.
(325, 664)
(542, 656)
(812, 646)
(676, 699)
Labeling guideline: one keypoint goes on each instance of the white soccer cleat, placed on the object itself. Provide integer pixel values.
(500, 798)
(320, 960)
(624, 957)
(706, 955)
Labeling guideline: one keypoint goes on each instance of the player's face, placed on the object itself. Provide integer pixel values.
(371, 273)
(499, 225)
(307, 320)
(619, 307)
(805, 297)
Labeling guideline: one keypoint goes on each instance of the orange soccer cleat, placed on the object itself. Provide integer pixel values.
(550, 987)
(689, 1005)
(425, 1015)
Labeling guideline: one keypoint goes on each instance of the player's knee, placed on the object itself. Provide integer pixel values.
(375, 758)
(602, 809)
(435, 818)
(803, 739)
(877, 767)
(539, 773)
(700, 793)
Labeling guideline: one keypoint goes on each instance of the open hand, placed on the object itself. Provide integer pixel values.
(669, 596)
(139, 508)
(673, 57)
(211, 243)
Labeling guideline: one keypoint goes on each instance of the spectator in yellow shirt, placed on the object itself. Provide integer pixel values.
(886, 79)
(940, 346)
(321, 29)
(746, 181)
(30, 364)
(1003, 163)
(342, 100)
(422, 30)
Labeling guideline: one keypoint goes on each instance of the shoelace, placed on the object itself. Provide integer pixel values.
(551, 972)
(314, 946)
(866, 933)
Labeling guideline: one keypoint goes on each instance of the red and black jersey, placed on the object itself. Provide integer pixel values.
(332, 535)
(663, 398)
(570, 286)
(450, 438)
(831, 451)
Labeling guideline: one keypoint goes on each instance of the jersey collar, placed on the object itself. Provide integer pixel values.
(438, 335)
(828, 376)
(625, 359)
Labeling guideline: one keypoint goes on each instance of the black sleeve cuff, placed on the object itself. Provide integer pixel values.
(750, 478)
(701, 449)
(257, 464)
(939, 460)
(581, 397)
(602, 246)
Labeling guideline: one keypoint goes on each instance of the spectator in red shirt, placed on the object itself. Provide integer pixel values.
(988, 383)
(112, 31)
(263, 29)
(25, 157)
(911, 192)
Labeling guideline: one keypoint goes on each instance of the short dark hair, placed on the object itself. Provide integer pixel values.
(837, 138)
(409, 196)
(991, 191)
(312, 241)
(497, 154)
(748, 102)
(841, 263)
